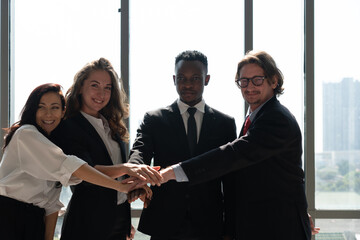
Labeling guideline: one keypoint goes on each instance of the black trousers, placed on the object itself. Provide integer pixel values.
(21, 221)
(121, 227)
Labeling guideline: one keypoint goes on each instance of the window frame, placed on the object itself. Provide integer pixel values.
(5, 85)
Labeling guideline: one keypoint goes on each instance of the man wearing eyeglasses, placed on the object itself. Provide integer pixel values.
(265, 160)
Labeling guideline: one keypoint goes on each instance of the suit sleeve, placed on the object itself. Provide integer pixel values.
(273, 134)
(229, 187)
(142, 150)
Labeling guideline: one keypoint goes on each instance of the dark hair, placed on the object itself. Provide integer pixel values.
(192, 56)
(115, 111)
(28, 113)
(267, 63)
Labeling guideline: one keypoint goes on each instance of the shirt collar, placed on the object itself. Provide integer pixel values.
(183, 106)
(100, 122)
(252, 115)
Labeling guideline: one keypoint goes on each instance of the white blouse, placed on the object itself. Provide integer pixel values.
(30, 167)
(101, 126)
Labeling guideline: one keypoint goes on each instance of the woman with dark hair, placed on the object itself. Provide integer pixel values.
(32, 168)
(94, 130)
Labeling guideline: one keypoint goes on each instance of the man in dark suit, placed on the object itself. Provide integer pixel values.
(178, 211)
(266, 158)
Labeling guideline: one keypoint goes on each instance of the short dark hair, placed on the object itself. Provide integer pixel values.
(192, 55)
(267, 63)
(28, 113)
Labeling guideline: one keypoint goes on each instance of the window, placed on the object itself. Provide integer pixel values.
(52, 40)
(161, 29)
(283, 40)
(337, 114)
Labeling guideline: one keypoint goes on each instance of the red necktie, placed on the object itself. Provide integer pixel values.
(247, 125)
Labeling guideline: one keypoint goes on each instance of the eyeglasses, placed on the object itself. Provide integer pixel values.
(244, 82)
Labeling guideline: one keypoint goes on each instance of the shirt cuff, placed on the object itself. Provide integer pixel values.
(55, 208)
(69, 166)
(179, 173)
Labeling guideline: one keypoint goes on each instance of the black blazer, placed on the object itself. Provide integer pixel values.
(91, 211)
(178, 209)
(270, 196)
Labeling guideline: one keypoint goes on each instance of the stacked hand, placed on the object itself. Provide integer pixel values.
(140, 175)
(143, 172)
(144, 192)
(167, 174)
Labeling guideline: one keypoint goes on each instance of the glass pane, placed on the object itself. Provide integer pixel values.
(161, 29)
(280, 33)
(52, 40)
(338, 229)
(337, 105)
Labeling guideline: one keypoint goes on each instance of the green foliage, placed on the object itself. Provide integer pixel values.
(343, 167)
(331, 180)
(327, 173)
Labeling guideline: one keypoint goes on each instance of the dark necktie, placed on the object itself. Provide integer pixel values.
(192, 132)
(247, 125)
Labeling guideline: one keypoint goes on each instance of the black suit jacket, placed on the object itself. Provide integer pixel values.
(178, 209)
(91, 211)
(270, 197)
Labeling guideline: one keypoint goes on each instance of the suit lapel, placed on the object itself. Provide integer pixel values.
(272, 101)
(269, 103)
(242, 129)
(206, 126)
(89, 129)
(122, 148)
(177, 124)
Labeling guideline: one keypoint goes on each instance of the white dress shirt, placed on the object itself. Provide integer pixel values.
(199, 114)
(101, 126)
(30, 167)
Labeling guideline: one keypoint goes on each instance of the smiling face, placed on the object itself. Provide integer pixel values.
(95, 92)
(50, 112)
(190, 80)
(256, 95)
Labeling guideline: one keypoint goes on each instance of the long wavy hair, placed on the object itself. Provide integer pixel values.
(117, 108)
(28, 113)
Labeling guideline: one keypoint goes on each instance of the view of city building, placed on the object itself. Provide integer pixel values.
(341, 115)
(338, 166)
